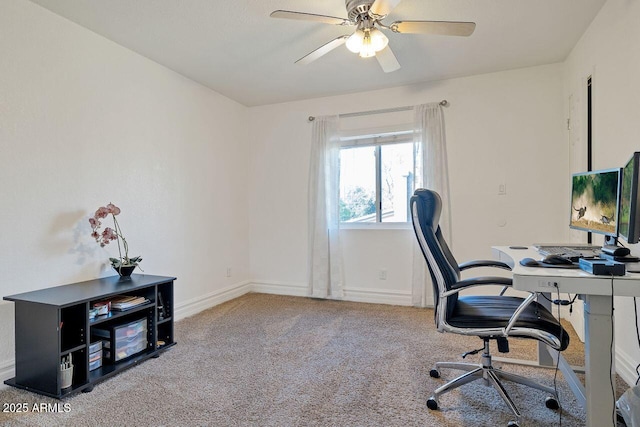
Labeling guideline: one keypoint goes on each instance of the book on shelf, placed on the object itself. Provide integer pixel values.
(125, 302)
(163, 310)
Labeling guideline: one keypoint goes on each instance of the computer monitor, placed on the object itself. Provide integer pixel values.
(629, 224)
(595, 199)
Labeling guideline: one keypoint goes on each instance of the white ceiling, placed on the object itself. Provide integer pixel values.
(236, 49)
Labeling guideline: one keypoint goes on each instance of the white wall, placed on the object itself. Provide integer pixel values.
(505, 127)
(610, 52)
(84, 122)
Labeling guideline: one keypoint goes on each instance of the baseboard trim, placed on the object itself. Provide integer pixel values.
(196, 305)
(377, 296)
(7, 370)
(368, 295)
(280, 288)
(626, 367)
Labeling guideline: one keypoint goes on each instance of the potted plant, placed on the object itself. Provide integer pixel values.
(124, 265)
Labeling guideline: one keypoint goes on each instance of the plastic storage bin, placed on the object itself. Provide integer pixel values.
(123, 341)
(95, 346)
(95, 360)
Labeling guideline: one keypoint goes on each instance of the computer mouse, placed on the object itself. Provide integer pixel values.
(556, 260)
(529, 262)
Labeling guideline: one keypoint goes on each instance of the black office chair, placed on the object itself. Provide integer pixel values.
(488, 317)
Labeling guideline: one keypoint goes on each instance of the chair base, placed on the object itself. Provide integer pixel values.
(491, 376)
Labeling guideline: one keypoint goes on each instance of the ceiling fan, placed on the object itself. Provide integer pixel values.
(368, 40)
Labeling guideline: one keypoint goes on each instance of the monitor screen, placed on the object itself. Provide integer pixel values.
(629, 226)
(594, 201)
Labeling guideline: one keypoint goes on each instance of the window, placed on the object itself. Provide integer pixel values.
(377, 177)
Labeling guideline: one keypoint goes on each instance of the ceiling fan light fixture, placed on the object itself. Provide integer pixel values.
(367, 50)
(367, 42)
(378, 40)
(355, 41)
(367, 53)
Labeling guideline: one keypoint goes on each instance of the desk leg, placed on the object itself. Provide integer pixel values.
(599, 361)
(544, 356)
(547, 357)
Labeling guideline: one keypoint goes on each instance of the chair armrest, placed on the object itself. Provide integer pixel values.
(483, 263)
(506, 282)
(481, 281)
(519, 310)
(478, 281)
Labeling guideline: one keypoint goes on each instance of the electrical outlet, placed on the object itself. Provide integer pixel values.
(547, 284)
(383, 274)
(228, 271)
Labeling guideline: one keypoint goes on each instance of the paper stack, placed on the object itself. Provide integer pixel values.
(125, 302)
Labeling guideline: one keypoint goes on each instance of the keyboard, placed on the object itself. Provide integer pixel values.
(573, 251)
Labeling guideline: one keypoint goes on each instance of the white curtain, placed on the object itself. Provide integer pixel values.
(432, 172)
(325, 258)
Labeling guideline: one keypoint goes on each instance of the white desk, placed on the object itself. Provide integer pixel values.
(597, 294)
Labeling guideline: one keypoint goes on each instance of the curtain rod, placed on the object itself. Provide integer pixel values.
(443, 103)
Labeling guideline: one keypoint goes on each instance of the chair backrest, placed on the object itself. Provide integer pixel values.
(426, 206)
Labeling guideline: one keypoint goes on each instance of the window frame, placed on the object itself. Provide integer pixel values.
(378, 137)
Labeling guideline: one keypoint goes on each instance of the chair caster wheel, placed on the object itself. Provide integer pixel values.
(432, 404)
(513, 424)
(551, 403)
(434, 373)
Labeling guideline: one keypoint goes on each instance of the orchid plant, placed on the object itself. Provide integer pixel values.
(109, 234)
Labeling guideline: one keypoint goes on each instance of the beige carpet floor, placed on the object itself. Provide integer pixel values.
(267, 360)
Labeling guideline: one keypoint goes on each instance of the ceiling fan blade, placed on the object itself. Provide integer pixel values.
(387, 60)
(322, 50)
(442, 28)
(289, 14)
(383, 7)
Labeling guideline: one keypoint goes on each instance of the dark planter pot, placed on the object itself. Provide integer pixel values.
(125, 271)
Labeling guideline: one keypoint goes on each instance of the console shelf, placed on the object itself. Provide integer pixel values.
(52, 324)
(116, 314)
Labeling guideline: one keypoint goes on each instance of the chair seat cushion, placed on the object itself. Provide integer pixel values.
(482, 311)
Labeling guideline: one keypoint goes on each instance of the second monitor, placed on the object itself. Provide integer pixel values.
(629, 227)
(595, 198)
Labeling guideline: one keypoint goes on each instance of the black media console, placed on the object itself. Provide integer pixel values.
(53, 323)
